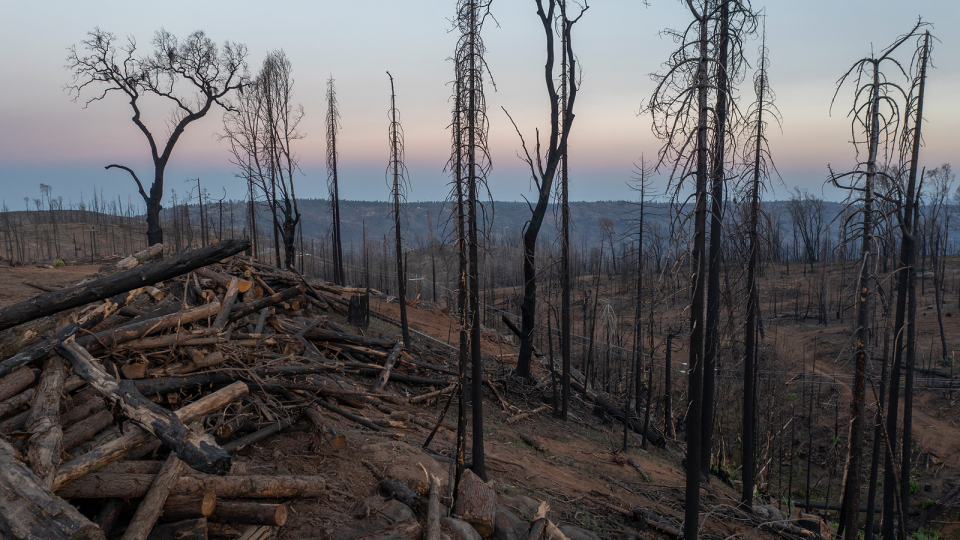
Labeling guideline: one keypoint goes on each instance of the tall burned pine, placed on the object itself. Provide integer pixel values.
(680, 111)
(397, 180)
(543, 168)
(565, 235)
(471, 165)
(733, 21)
(333, 126)
(757, 157)
(904, 328)
(873, 90)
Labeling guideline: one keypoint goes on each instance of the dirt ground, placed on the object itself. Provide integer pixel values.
(580, 467)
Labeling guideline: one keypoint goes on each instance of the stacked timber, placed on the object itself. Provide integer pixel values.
(157, 372)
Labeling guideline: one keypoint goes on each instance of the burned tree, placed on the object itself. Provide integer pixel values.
(261, 131)
(470, 163)
(870, 128)
(333, 126)
(193, 74)
(758, 166)
(543, 168)
(397, 181)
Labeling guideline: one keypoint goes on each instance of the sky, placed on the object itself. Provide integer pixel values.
(45, 137)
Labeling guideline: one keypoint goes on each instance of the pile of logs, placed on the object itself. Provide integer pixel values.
(122, 420)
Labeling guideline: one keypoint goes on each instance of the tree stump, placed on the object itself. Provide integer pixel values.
(476, 504)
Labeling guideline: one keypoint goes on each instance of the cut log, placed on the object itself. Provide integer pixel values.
(182, 507)
(432, 531)
(137, 438)
(108, 515)
(152, 505)
(41, 286)
(89, 403)
(98, 289)
(534, 443)
(132, 486)
(257, 532)
(229, 299)
(85, 429)
(388, 366)
(633, 463)
(528, 414)
(249, 308)
(108, 339)
(249, 513)
(95, 317)
(191, 529)
(337, 441)
(16, 403)
(45, 445)
(476, 504)
(320, 334)
(257, 436)
(224, 280)
(16, 382)
(182, 338)
(653, 434)
(31, 510)
(140, 257)
(199, 452)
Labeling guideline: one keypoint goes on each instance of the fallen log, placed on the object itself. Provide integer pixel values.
(224, 280)
(249, 513)
(16, 403)
(534, 443)
(98, 289)
(85, 429)
(182, 507)
(332, 336)
(432, 531)
(140, 257)
(108, 339)
(31, 510)
(45, 445)
(95, 317)
(199, 452)
(152, 505)
(388, 366)
(652, 434)
(633, 463)
(229, 298)
(190, 529)
(528, 414)
(131, 486)
(108, 515)
(16, 382)
(257, 436)
(137, 438)
(337, 441)
(183, 338)
(476, 503)
(249, 308)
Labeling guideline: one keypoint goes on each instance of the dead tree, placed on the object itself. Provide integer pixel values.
(760, 165)
(543, 167)
(873, 91)
(397, 181)
(261, 131)
(904, 329)
(210, 73)
(333, 126)
(680, 111)
(472, 166)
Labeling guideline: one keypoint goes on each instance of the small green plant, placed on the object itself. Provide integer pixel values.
(57, 263)
(792, 396)
(920, 534)
(927, 504)
(914, 488)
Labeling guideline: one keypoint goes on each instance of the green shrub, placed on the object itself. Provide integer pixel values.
(920, 534)
(57, 263)
(927, 504)
(914, 488)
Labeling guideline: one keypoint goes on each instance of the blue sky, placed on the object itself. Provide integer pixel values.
(47, 138)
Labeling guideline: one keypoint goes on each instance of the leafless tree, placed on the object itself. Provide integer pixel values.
(397, 180)
(261, 131)
(874, 130)
(543, 166)
(333, 126)
(807, 213)
(758, 166)
(193, 75)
